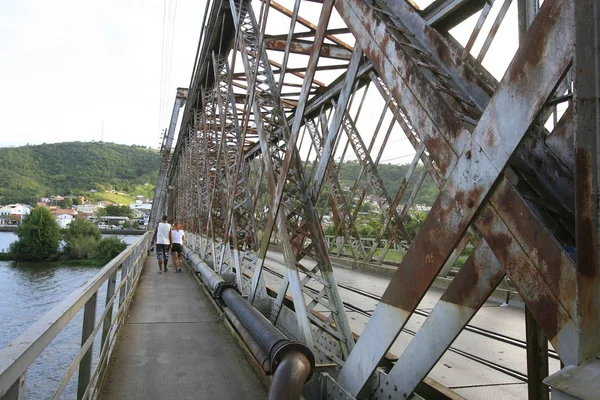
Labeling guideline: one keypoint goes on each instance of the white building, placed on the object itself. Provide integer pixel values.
(14, 211)
(138, 205)
(64, 220)
(86, 208)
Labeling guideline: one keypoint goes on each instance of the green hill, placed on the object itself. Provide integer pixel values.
(392, 176)
(72, 168)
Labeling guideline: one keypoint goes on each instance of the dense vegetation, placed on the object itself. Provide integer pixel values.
(392, 177)
(28, 173)
(40, 236)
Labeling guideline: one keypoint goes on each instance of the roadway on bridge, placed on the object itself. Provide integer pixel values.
(464, 370)
(172, 346)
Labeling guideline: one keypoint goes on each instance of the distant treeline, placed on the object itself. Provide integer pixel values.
(28, 173)
(392, 177)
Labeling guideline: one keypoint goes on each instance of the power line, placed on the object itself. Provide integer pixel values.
(397, 158)
(162, 72)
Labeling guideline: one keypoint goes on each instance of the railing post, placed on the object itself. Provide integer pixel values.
(123, 291)
(110, 291)
(17, 390)
(85, 365)
(131, 274)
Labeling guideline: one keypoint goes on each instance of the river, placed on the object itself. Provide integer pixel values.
(29, 290)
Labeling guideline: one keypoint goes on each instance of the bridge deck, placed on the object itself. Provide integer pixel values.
(173, 347)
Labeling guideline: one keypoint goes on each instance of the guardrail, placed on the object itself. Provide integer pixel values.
(17, 357)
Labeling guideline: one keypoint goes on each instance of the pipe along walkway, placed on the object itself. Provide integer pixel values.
(172, 346)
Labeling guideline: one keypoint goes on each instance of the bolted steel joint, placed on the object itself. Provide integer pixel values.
(220, 288)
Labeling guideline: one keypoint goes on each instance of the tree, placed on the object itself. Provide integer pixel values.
(108, 248)
(80, 227)
(414, 220)
(66, 203)
(39, 236)
(117, 211)
(82, 238)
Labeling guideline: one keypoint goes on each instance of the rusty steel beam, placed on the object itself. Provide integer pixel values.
(482, 160)
(329, 34)
(468, 291)
(587, 176)
(506, 183)
(446, 14)
(304, 47)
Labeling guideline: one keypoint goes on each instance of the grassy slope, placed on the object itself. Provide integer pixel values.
(30, 172)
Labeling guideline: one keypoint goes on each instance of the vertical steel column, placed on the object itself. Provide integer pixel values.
(537, 358)
(587, 174)
(85, 365)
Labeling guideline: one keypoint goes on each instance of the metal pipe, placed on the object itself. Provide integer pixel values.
(290, 362)
(288, 380)
(259, 355)
(210, 278)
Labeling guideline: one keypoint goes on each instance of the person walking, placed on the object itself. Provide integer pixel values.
(163, 237)
(177, 250)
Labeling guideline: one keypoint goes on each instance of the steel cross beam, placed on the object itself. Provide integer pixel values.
(240, 210)
(161, 186)
(296, 220)
(468, 173)
(340, 205)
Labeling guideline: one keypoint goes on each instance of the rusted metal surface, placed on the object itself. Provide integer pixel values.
(478, 167)
(587, 176)
(275, 109)
(474, 283)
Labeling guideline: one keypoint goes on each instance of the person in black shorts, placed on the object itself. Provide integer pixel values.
(177, 249)
(163, 239)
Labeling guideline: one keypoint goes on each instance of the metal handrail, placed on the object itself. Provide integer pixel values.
(17, 357)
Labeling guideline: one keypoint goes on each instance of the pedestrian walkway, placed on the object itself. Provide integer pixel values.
(173, 347)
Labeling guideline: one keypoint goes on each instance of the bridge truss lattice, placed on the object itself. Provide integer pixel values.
(283, 94)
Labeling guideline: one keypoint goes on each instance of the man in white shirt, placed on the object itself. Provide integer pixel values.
(163, 237)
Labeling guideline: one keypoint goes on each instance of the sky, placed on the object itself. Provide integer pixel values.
(91, 71)
(70, 67)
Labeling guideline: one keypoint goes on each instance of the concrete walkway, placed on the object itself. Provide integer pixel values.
(173, 347)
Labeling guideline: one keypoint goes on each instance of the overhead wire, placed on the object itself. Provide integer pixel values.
(170, 57)
(168, 39)
(162, 71)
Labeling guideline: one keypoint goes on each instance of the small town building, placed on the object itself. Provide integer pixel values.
(64, 220)
(14, 213)
(86, 208)
(64, 216)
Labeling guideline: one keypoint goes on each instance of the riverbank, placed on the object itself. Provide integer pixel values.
(12, 228)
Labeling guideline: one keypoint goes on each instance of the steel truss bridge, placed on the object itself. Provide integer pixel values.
(283, 93)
